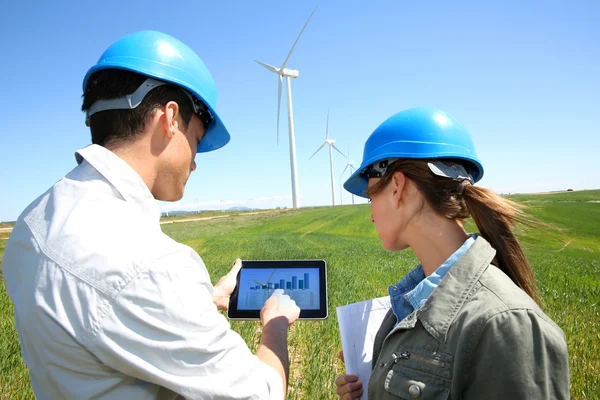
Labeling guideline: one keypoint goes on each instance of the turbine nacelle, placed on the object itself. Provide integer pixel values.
(292, 73)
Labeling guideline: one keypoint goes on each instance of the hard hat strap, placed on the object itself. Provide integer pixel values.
(127, 102)
(453, 171)
(133, 100)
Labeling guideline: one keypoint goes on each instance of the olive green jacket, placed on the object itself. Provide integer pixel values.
(478, 336)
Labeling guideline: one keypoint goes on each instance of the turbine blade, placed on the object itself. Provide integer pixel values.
(327, 127)
(272, 273)
(298, 38)
(279, 105)
(338, 150)
(319, 149)
(347, 165)
(269, 67)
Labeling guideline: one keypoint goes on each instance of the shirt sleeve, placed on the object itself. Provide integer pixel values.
(519, 355)
(163, 328)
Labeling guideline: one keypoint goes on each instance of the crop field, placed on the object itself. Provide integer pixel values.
(566, 264)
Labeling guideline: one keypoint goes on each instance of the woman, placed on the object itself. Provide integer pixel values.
(464, 324)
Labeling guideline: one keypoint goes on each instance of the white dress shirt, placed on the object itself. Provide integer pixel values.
(109, 307)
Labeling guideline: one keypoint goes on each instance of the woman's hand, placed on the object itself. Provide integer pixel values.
(348, 386)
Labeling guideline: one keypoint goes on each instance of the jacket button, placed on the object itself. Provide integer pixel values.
(414, 391)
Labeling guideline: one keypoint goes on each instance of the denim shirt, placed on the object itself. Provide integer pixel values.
(414, 289)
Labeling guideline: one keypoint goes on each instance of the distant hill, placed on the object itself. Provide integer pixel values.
(181, 213)
(239, 208)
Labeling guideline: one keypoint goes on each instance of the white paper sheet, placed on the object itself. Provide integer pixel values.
(359, 323)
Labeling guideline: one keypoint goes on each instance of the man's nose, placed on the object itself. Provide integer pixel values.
(193, 166)
(372, 219)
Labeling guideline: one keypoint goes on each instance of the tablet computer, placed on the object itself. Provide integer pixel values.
(305, 281)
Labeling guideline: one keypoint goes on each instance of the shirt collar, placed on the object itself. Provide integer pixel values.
(423, 290)
(121, 176)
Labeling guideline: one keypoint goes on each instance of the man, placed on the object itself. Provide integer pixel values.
(106, 305)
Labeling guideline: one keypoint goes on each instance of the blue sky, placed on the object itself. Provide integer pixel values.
(522, 76)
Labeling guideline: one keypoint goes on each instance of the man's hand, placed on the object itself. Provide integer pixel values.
(277, 314)
(279, 305)
(225, 286)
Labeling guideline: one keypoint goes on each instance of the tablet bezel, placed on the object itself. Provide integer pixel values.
(322, 313)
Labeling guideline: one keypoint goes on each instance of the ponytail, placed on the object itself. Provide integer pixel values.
(495, 217)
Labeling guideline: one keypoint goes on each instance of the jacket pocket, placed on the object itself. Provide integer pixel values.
(415, 386)
(419, 374)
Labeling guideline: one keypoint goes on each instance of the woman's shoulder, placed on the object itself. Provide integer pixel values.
(497, 297)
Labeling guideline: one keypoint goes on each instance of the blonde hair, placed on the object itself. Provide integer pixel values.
(494, 215)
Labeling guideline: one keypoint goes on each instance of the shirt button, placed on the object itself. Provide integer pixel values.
(414, 391)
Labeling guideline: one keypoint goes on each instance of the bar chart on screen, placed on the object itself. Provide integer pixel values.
(257, 285)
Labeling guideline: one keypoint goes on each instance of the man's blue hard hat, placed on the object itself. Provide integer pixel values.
(160, 56)
(421, 132)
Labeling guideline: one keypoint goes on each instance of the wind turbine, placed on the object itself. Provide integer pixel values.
(350, 165)
(331, 144)
(288, 73)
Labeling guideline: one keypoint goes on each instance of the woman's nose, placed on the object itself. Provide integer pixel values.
(193, 166)
(372, 219)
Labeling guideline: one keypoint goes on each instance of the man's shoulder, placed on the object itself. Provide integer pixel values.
(92, 233)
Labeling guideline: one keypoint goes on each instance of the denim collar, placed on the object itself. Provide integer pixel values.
(415, 288)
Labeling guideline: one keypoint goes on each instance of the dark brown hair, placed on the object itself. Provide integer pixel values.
(114, 127)
(495, 216)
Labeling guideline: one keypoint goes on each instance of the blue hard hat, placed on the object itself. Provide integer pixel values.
(158, 55)
(421, 132)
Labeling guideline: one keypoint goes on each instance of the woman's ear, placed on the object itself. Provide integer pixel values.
(398, 186)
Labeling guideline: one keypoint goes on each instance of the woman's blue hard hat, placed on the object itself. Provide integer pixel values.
(420, 133)
(164, 58)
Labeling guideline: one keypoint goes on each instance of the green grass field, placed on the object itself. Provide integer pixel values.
(358, 268)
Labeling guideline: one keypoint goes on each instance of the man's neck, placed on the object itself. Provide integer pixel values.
(139, 159)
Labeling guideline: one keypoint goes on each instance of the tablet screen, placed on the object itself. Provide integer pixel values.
(258, 284)
(303, 280)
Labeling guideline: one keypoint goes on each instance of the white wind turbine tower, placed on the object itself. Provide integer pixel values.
(350, 165)
(331, 144)
(288, 73)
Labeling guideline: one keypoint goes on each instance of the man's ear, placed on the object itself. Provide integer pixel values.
(169, 118)
(398, 186)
